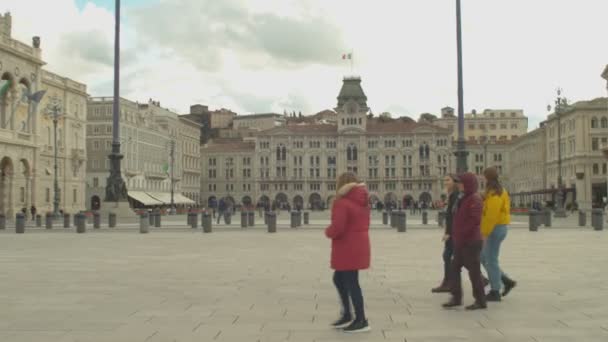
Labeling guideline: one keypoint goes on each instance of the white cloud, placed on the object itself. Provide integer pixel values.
(515, 53)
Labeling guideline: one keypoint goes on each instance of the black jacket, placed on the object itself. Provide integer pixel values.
(450, 211)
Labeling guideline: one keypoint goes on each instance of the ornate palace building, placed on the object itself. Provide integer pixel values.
(27, 133)
(297, 163)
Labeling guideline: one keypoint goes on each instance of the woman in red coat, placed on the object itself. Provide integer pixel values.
(350, 248)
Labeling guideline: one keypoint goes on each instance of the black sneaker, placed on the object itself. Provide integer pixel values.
(509, 285)
(357, 327)
(493, 296)
(342, 322)
(476, 306)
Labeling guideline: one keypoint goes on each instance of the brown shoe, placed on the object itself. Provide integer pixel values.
(441, 289)
(452, 303)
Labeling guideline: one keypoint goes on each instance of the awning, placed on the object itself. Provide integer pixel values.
(143, 198)
(181, 199)
(165, 198)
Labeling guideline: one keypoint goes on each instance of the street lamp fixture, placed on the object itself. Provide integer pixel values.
(560, 102)
(54, 112)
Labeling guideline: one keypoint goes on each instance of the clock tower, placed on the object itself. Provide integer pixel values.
(352, 106)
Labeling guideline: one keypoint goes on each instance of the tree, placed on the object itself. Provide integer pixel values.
(427, 117)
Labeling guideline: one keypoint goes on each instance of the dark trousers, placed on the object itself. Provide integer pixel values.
(468, 256)
(347, 284)
(448, 252)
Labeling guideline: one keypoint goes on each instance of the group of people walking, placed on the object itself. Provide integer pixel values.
(476, 226)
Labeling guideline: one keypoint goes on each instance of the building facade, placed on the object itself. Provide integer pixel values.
(189, 133)
(400, 160)
(149, 134)
(27, 134)
(493, 125)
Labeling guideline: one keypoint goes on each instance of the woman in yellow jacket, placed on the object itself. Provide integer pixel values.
(494, 222)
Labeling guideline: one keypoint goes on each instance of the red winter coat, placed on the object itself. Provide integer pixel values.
(467, 221)
(349, 229)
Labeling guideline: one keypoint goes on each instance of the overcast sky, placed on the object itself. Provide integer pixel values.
(271, 55)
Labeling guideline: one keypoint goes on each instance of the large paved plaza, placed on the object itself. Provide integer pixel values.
(248, 285)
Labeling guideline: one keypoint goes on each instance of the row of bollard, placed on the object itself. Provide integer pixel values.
(537, 218)
(80, 221)
(398, 219)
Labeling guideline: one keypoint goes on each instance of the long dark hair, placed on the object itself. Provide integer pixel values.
(492, 183)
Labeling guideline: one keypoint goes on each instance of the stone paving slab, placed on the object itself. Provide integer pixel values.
(248, 285)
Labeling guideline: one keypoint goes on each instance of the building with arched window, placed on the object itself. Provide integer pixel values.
(296, 164)
(27, 135)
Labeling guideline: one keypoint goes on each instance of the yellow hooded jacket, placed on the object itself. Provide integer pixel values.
(496, 210)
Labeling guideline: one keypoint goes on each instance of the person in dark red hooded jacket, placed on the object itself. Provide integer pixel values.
(350, 248)
(466, 236)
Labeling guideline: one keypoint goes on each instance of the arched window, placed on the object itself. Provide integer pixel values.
(284, 153)
(426, 151)
(594, 122)
(351, 153)
(604, 122)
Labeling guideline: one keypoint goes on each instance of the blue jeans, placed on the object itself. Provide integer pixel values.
(490, 253)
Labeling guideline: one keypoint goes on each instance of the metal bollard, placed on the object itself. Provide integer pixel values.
(384, 218)
(393, 219)
(111, 220)
(48, 221)
(294, 219)
(193, 220)
(299, 217)
(80, 221)
(582, 218)
(151, 215)
(243, 219)
(402, 227)
(532, 221)
(19, 223)
(547, 218)
(306, 217)
(66, 220)
(38, 220)
(441, 218)
(2, 221)
(144, 223)
(272, 222)
(251, 219)
(207, 222)
(228, 218)
(157, 219)
(96, 220)
(597, 219)
(425, 217)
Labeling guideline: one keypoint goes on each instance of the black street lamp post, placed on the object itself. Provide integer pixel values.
(559, 102)
(461, 152)
(54, 112)
(116, 190)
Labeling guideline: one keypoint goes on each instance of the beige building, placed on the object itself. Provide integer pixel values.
(148, 135)
(584, 129)
(27, 144)
(526, 169)
(189, 134)
(401, 160)
(491, 125)
(258, 122)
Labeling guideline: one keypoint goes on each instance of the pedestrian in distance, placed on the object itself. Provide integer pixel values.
(350, 249)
